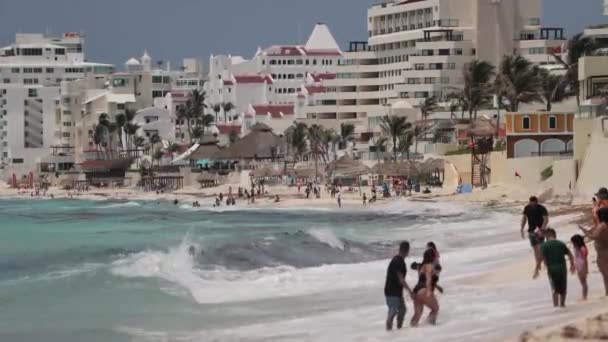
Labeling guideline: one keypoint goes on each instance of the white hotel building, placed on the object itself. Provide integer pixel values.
(265, 88)
(418, 49)
(31, 71)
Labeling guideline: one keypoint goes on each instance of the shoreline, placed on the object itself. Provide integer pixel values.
(588, 326)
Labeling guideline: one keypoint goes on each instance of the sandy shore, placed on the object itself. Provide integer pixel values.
(592, 325)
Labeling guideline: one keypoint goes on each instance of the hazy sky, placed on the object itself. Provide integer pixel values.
(172, 29)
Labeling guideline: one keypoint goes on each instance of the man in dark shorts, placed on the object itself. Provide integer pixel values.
(553, 253)
(395, 283)
(537, 217)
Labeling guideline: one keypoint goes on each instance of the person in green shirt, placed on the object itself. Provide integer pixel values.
(553, 253)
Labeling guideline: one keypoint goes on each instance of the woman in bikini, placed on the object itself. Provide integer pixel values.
(424, 290)
(580, 260)
(599, 234)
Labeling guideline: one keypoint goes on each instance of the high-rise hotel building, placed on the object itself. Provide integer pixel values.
(417, 49)
(32, 117)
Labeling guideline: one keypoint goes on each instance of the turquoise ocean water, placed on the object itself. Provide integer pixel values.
(73, 270)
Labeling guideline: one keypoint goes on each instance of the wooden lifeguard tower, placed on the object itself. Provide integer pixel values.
(481, 133)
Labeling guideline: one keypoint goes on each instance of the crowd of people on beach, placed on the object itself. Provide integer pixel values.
(556, 256)
(553, 253)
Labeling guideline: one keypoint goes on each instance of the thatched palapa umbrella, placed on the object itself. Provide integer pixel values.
(260, 143)
(399, 169)
(347, 166)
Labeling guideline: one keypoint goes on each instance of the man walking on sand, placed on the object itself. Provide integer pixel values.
(393, 288)
(537, 217)
(553, 254)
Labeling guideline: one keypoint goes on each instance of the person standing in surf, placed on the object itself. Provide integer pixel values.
(393, 288)
(599, 234)
(553, 254)
(424, 291)
(582, 265)
(537, 217)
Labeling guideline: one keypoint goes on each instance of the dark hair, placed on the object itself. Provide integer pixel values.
(415, 266)
(550, 232)
(404, 247)
(602, 215)
(577, 241)
(428, 257)
(431, 244)
(534, 199)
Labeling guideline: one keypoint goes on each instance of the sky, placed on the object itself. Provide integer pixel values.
(172, 29)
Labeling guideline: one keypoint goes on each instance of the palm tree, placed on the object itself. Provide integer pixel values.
(99, 137)
(578, 46)
(195, 109)
(428, 107)
(217, 108)
(379, 143)
(198, 133)
(518, 81)
(154, 139)
(227, 106)
(206, 121)
(297, 139)
(347, 133)
(477, 87)
(319, 139)
(158, 155)
(129, 128)
(405, 143)
(173, 147)
(112, 128)
(183, 114)
(121, 122)
(419, 131)
(394, 126)
(553, 88)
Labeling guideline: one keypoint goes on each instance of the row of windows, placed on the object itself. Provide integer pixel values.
(161, 79)
(297, 62)
(441, 52)
(48, 70)
(435, 66)
(537, 51)
(428, 80)
(420, 94)
(526, 122)
(284, 90)
(30, 81)
(159, 93)
(287, 76)
(32, 70)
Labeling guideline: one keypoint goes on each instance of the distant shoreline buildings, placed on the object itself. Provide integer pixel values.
(52, 98)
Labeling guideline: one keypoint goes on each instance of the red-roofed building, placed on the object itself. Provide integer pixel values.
(324, 76)
(249, 79)
(315, 89)
(276, 111)
(273, 76)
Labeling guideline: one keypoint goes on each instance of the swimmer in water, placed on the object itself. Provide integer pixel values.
(192, 251)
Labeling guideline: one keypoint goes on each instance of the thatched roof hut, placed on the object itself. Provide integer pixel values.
(347, 166)
(303, 173)
(260, 143)
(207, 149)
(399, 169)
(432, 165)
(481, 128)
